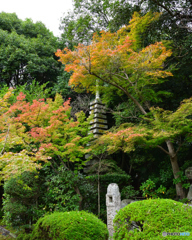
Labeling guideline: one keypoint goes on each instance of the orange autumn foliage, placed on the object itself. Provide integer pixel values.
(114, 59)
(33, 134)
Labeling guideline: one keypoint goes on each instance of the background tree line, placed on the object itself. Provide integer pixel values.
(27, 53)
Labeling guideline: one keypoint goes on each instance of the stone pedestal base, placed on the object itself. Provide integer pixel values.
(189, 195)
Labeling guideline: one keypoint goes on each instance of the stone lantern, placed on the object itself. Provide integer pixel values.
(113, 203)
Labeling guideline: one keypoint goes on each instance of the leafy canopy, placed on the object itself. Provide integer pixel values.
(92, 16)
(37, 132)
(117, 60)
(157, 127)
(26, 52)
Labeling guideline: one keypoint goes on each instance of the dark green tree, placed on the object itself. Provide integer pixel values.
(26, 52)
(93, 16)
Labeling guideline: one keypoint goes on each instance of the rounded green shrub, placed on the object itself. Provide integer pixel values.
(153, 218)
(20, 199)
(76, 225)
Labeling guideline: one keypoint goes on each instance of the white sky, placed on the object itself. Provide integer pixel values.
(48, 12)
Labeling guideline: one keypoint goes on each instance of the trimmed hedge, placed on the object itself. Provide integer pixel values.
(76, 225)
(153, 217)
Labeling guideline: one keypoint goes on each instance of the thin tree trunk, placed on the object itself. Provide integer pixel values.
(80, 197)
(123, 160)
(175, 167)
(98, 179)
(99, 207)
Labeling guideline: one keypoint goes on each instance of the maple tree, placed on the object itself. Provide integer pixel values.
(119, 61)
(112, 58)
(158, 127)
(37, 132)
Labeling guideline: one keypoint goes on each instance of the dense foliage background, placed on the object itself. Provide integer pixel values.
(145, 83)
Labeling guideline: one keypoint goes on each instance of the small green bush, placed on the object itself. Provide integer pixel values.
(129, 192)
(153, 217)
(20, 199)
(150, 190)
(61, 196)
(74, 225)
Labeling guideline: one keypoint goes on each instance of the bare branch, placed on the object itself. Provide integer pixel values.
(124, 90)
(163, 150)
(54, 168)
(161, 5)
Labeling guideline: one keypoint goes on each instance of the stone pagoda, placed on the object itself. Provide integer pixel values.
(99, 123)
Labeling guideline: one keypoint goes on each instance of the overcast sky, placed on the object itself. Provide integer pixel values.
(47, 11)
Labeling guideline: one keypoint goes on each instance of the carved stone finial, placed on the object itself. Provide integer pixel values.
(97, 90)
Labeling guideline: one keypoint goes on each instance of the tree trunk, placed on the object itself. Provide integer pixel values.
(175, 167)
(98, 187)
(99, 207)
(80, 197)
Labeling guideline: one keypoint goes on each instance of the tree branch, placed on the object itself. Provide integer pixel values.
(122, 89)
(161, 5)
(180, 145)
(54, 168)
(163, 150)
